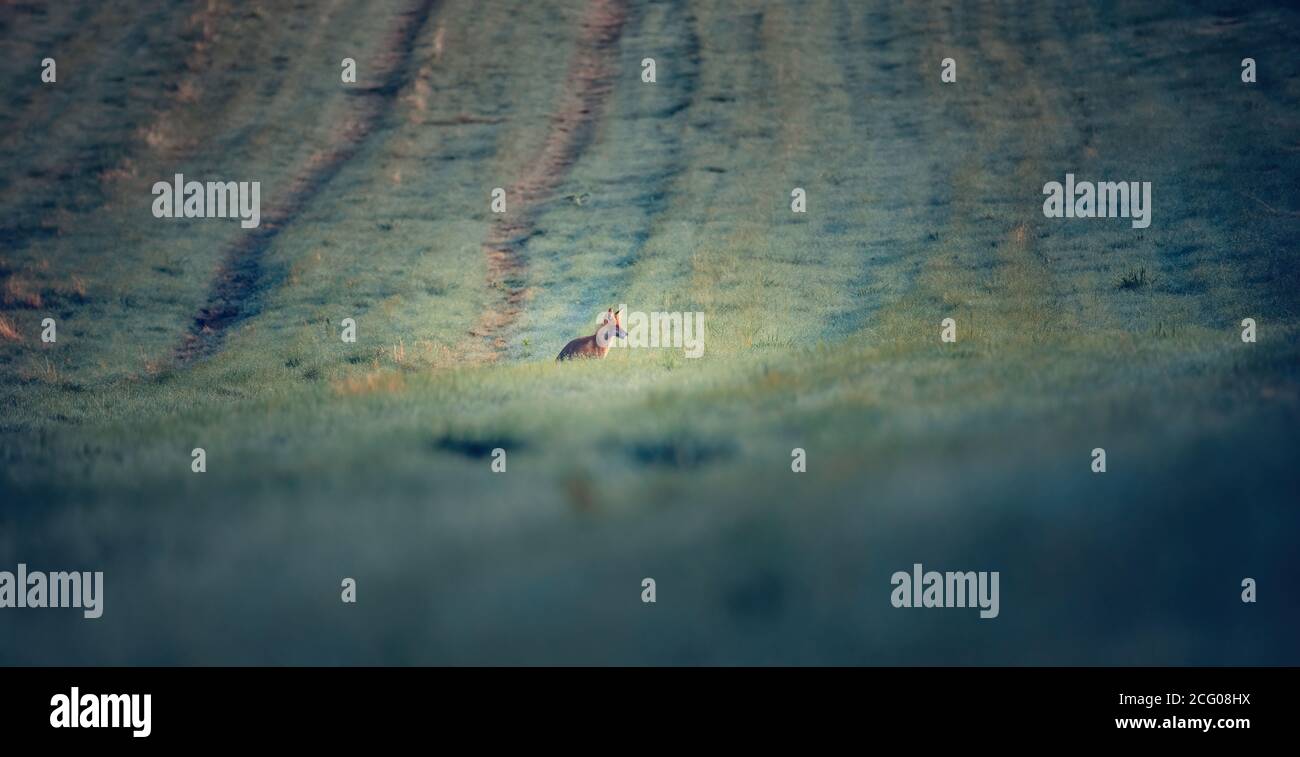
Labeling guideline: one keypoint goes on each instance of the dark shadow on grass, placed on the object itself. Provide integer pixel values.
(678, 453)
(476, 447)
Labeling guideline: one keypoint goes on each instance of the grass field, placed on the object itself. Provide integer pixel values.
(371, 459)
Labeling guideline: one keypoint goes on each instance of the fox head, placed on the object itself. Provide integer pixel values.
(610, 328)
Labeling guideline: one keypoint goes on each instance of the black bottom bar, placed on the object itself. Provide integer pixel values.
(330, 706)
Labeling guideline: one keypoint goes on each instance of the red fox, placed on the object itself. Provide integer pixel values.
(596, 345)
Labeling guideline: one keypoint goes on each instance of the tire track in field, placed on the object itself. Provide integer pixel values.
(991, 266)
(586, 87)
(233, 296)
(905, 152)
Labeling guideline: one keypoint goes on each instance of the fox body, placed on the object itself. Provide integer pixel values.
(596, 345)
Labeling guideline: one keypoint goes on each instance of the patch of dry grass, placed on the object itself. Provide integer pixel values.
(371, 382)
(19, 292)
(9, 330)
